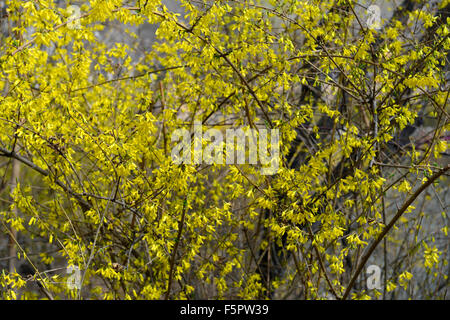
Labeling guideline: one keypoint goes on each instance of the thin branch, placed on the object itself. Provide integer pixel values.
(175, 249)
(399, 213)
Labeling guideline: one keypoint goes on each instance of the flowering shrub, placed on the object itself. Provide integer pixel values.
(87, 110)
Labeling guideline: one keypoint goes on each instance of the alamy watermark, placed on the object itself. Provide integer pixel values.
(212, 151)
(74, 279)
(373, 20)
(374, 278)
(73, 21)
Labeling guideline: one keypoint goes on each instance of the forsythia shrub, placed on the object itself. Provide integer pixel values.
(88, 181)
